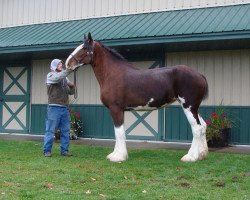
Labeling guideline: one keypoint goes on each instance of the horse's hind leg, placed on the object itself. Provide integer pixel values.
(203, 136)
(120, 150)
(198, 149)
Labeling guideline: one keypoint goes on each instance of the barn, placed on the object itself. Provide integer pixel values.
(211, 36)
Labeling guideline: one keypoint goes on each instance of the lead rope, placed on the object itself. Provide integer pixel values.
(75, 80)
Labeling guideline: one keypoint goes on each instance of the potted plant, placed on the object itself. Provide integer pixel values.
(218, 128)
(75, 125)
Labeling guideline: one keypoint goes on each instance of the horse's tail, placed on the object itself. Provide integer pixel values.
(206, 88)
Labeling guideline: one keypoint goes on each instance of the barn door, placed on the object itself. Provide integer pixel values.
(14, 98)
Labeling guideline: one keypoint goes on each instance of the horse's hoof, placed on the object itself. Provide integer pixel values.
(116, 157)
(203, 155)
(188, 158)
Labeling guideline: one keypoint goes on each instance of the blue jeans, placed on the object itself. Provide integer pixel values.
(57, 117)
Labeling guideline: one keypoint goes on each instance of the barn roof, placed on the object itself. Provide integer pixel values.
(191, 25)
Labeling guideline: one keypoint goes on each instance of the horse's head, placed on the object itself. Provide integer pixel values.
(82, 55)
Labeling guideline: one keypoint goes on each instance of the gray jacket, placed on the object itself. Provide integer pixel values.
(58, 89)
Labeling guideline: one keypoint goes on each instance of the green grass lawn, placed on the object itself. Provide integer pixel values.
(148, 174)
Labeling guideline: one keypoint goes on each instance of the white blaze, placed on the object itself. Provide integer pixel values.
(70, 56)
(77, 49)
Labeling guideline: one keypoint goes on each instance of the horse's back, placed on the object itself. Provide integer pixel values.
(185, 75)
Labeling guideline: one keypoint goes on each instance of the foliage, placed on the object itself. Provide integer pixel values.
(148, 174)
(75, 125)
(218, 120)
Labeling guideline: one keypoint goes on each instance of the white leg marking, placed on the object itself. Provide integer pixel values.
(182, 100)
(203, 136)
(150, 101)
(120, 151)
(198, 149)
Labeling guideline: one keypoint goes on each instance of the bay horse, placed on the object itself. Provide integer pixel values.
(124, 87)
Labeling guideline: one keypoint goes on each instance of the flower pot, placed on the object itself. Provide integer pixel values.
(222, 141)
(224, 136)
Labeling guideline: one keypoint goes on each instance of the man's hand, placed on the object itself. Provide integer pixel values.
(73, 68)
(70, 84)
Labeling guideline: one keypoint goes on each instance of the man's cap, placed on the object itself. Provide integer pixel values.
(54, 64)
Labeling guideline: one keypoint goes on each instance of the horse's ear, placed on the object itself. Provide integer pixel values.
(84, 37)
(90, 37)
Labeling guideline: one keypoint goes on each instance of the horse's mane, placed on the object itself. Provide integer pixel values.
(113, 52)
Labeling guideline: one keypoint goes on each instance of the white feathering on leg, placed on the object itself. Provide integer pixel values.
(120, 151)
(198, 149)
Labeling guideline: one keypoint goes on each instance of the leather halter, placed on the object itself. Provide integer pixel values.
(78, 62)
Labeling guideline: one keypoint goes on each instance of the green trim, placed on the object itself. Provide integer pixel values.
(133, 41)
(38, 48)
(38, 115)
(178, 128)
(161, 127)
(136, 137)
(1, 95)
(179, 38)
(97, 123)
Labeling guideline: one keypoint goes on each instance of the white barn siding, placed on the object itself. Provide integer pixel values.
(227, 73)
(87, 86)
(40, 68)
(22, 12)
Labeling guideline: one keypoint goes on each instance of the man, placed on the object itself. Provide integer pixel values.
(58, 89)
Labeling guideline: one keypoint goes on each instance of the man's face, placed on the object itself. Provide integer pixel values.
(59, 67)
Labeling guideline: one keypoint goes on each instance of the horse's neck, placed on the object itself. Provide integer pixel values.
(102, 65)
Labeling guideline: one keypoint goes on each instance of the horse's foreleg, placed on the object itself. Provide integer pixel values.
(198, 149)
(120, 150)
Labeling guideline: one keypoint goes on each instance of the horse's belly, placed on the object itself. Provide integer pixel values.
(142, 108)
(147, 107)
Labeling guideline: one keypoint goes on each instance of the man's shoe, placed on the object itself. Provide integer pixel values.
(47, 154)
(66, 154)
